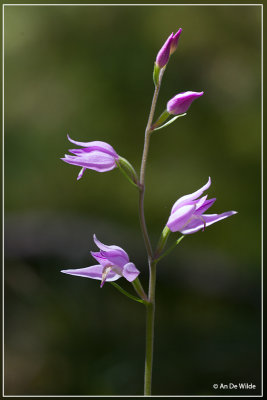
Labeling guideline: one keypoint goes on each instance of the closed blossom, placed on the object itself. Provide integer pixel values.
(180, 103)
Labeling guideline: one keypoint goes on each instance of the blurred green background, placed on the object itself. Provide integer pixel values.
(87, 71)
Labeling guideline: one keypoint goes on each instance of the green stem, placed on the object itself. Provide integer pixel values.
(150, 306)
(143, 168)
(150, 318)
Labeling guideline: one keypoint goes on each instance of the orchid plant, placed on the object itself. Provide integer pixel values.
(187, 215)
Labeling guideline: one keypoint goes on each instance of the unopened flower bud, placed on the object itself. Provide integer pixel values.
(164, 53)
(180, 103)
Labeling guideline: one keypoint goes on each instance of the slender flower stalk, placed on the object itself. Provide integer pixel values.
(148, 132)
(150, 309)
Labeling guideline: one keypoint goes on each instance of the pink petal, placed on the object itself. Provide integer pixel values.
(94, 272)
(179, 219)
(189, 197)
(205, 206)
(175, 38)
(130, 272)
(197, 224)
(100, 258)
(113, 253)
(96, 145)
(164, 53)
(95, 160)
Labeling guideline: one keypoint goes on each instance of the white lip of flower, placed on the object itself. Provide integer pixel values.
(109, 268)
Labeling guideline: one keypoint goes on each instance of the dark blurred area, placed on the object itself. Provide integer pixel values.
(87, 71)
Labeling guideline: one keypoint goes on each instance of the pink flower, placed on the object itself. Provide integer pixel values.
(113, 264)
(180, 103)
(99, 156)
(187, 213)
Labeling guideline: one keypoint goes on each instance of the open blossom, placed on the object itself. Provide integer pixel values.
(167, 49)
(187, 213)
(99, 156)
(113, 264)
(180, 103)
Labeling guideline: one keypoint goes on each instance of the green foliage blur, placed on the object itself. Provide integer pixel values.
(87, 71)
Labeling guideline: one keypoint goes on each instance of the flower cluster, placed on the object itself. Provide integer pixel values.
(187, 216)
(188, 212)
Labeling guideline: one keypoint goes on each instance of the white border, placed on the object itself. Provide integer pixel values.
(130, 5)
(138, 5)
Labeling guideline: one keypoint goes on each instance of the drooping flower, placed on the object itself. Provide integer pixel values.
(167, 49)
(187, 213)
(180, 103)
(113, 264)
(97, 155)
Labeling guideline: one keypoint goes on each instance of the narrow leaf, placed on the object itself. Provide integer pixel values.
(170, 121)
(120, 289)
(171, 248)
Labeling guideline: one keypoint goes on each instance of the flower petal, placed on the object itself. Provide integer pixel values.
(111, 257)
(199, 203)
(100, 258)
(175, 38)
(180, 218)
(189, 197)
(197, 224)
(205, 206)
(96, 145)
(113, 253)
(94, 272)
(95, 160)
(164, 53)
(130, 272)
